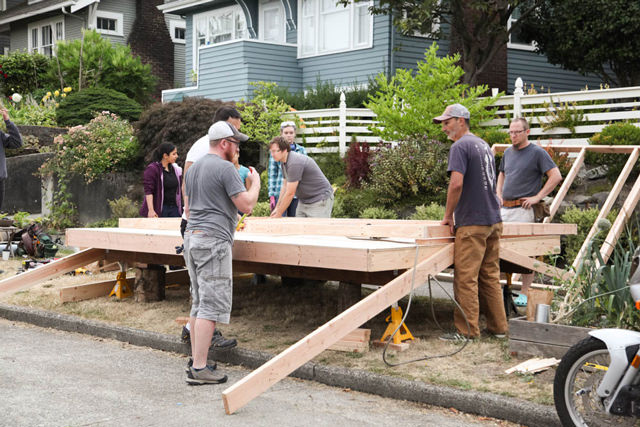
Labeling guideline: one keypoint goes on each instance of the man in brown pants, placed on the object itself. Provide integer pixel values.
(471, 197)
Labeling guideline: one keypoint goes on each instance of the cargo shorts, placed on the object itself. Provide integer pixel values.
(209, 262)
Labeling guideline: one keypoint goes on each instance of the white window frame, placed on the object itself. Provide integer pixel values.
(118, 17)
(38, 27)
(522, 46)
(237, 10)
(175, 24)
(3, 5)
(267, 5)
(352, 30)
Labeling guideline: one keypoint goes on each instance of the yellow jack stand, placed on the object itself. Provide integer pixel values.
(396, 319)
(121, 288)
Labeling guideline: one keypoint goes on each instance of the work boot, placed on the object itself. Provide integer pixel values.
(207, 375)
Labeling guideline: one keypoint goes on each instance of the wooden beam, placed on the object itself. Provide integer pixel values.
(609, 149)
(103, 288)
(254, 384)
(145, 258)
(564, 188)
(623, 217)
(534, 264)
(368, 277)
(350, 227)
(608, 204)
(532, 245)
(60, 266)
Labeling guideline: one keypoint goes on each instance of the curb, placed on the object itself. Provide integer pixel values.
(480, 403)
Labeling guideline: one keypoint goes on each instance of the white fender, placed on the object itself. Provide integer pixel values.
(617, 340)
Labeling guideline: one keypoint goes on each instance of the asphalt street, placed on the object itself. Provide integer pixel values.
(54, 378)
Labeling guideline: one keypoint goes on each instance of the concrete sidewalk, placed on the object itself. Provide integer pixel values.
(485, 404)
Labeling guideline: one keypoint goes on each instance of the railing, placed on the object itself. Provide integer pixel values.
(331, 130)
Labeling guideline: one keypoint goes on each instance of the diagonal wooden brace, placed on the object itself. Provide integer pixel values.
(54, 268)
(534, 264)
(258, 381)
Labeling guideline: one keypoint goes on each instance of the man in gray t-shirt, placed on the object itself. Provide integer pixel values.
(520, 182)
(473, 205)
(215, 193)
(301, 178)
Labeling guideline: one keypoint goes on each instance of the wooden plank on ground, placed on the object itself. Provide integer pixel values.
(564, 188)
(534, 264)
(608, 204)
(254, 384)
(60, 266)
(103, 288)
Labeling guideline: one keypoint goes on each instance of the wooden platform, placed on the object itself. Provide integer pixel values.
(351, 250)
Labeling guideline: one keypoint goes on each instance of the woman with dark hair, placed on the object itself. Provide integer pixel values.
(162, 182)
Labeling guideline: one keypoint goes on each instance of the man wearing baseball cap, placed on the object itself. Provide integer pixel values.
(216, 194)
(473, 215)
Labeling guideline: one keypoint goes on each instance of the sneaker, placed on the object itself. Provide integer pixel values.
(217, 341)
(208, 375)
(454, 336)
(210, 363)
(521, 300)
(488, 333)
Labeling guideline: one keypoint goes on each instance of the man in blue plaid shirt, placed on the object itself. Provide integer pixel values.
(288, 131)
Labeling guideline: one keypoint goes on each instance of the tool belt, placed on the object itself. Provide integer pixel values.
(512, 203)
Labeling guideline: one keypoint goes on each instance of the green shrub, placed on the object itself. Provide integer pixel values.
(350, 203)
(32, 112)
(332, 167)
(124, 207)
(615, 134)
(584, 219)
(261, 209)
(80, 107)
(264, 187)
(378, 213)
(104, 145)
(261, 118)
(413, 173)
(493, 136)
(104, 64)
(432, 211)
(325, 95)
(407, 103)
(23, 72)
(180, 123)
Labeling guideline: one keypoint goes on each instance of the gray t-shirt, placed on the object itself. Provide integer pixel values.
(478, 204)
(313, 186)
(210, 183)
(523, 170)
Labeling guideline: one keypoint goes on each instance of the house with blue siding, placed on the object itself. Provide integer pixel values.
(296, 43)
(36, 26)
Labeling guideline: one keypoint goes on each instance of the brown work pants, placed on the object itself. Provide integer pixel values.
(476, 282)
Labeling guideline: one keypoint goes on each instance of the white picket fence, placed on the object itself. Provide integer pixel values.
(331, 130)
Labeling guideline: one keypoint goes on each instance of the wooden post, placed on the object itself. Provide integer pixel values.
(517, 96)
(564, 188)
(254, 384)
(342, 130)
(624, 215)
(149, 284)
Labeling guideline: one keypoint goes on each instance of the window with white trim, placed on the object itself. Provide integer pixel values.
(217, 26)
(325, 27)
(43, 35)
(272, 23)
(515, 39)
(109, 23)
(177, 29)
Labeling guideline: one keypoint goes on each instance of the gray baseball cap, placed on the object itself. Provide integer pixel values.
(222, 129)
(454, 110)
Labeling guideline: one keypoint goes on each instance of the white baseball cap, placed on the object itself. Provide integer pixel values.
(222, 129)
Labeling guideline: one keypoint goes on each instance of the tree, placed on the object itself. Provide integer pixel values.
(589, 36)
(481, 25)
(95, 62)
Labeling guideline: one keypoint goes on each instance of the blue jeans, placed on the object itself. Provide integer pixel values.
(170, 211)
(291, 210)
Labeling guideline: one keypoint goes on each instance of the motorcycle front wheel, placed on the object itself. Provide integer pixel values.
(576, 381)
